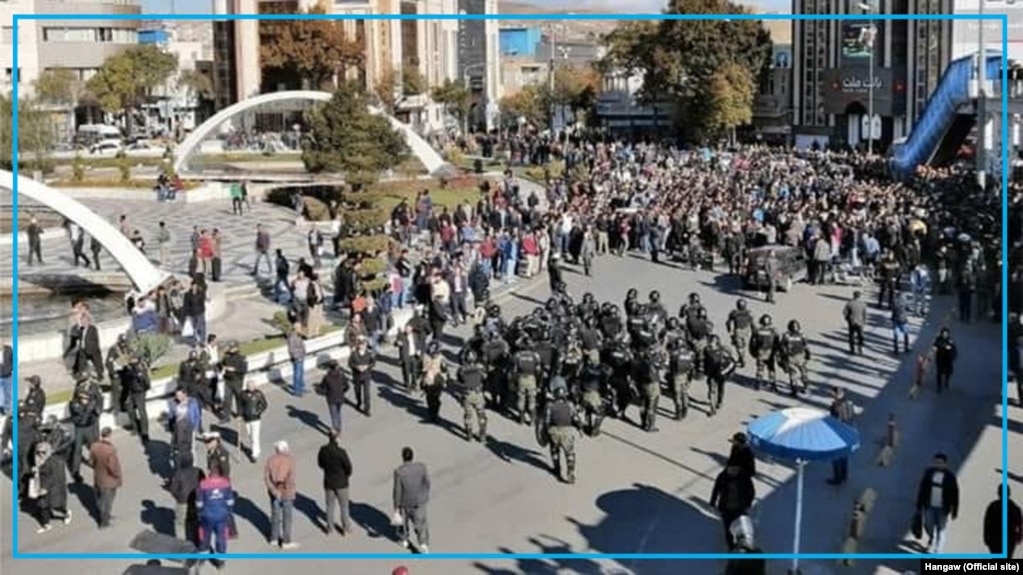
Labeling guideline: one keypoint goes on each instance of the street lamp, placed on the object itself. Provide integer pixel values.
(871, 36)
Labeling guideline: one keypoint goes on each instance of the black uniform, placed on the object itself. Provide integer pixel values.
(762, 347)
(740, 327)
(620, 360)
(718, 365)
(235, 367)
(135, 383)
(591, 387)
(681, 366)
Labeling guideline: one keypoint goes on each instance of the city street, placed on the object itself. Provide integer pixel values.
(636, 492)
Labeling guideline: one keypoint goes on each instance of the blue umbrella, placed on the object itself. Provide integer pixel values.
(802, 434)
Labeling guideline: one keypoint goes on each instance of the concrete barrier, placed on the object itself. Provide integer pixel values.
(862, 507)
(264, 367)
(50, 346)
(889, 442)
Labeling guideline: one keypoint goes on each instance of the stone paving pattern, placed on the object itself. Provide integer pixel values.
(636, 492)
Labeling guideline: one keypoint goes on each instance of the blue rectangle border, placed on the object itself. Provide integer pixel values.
(1002, 18)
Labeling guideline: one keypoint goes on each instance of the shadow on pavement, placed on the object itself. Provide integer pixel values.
(249, 511)
(376, 523)
(160, 519)
(308, 419)
(511, 453)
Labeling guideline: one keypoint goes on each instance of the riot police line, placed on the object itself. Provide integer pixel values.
(570, 365)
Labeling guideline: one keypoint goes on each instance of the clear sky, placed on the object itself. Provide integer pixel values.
(633, 6)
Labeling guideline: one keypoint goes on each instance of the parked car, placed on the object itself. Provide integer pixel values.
(790, 267)
(107, 147)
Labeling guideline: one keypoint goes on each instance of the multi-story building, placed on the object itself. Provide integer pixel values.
(80, 46)
(479, 62)
(430, 48)
(834, 61)
(772, 110)
(517, 72)
(620, 112)
(178, 108)
(239, 73)
(520, 41)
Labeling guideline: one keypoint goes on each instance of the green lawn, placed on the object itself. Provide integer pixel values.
(389, 194)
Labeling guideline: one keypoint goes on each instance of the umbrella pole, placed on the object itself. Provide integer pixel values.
(799, 515)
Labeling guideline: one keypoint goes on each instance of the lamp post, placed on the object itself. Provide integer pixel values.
(871, 37)
(552, 40)
(981, 103)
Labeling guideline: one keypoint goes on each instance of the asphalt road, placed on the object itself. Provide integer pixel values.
(636, 492)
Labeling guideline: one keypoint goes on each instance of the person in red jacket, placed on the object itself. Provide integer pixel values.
(215, 502)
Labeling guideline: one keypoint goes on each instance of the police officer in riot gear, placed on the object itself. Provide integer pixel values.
(590, 339)
(548, 354)
(645, 372)
(681, 368)
(619, 359)
(795, 357)
(561, 417)
(718, 365)
(470, 377)
(699, 329)
(673, 332)
(495, 357)
(588, 307)
(592, 386)
(611, 323)
(192, 377)
(434, 377)
(691, 309)
(528, 367)
(656, 309)
(762, 347)
(740, 328)
(572, 359)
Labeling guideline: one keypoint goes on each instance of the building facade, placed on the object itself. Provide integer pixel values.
(620, 113)
(843, 68)
(178, 108)
(479, 62)
(77, 45)
(520, 41)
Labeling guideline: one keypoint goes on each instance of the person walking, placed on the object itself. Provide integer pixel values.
(945, 354)
(362, 362)
(35, 241)
(335, 387)
(855, 314)
(163, 244)
(184, 487)
(279, 476)
(733, 495)
(993, 524)
(841, 409)
(85, 411)
(296, 352)
(253, 405)
(411, 494)
(337, 471)
(50, 481)
(6, 375)
(215, 502)
(262, 250)
(106, 475)
(937, 501)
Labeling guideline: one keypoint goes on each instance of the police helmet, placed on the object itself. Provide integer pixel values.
(633, 293)
(588, 298)
(560, 392)
(433, 348)
(494, 310)
(765, 320)
(694, 298)
(655, 296)
(552, 304)
(741, 304)
(470, 356)
(561, 287)
(674, 323)
(794, 326)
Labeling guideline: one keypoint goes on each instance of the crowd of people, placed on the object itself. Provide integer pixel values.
(570, 363)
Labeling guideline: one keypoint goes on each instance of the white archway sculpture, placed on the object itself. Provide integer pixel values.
(142, 273)
(419, 147)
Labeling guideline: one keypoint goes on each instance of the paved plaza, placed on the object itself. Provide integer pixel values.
(636, 492)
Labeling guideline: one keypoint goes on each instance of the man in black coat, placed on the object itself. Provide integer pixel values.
(937, 500)
(732, 496)
(335, 387)
(993, 524)
(337, 470)
(742, 455)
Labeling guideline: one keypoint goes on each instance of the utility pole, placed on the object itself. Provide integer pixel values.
(553, 42)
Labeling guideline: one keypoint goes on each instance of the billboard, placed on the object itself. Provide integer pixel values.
(858, 40)
(966, 33)
(782, 56)
(847, 87)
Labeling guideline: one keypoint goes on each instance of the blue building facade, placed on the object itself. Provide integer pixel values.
(520, 41)
(154, 36)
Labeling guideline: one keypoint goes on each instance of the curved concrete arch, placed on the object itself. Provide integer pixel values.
(142, 273)
(419, 147)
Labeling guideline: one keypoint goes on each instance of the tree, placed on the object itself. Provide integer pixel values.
(386, 89)
(681, 61)
(529, 103)
(35, 134)
(413, 82)
(319, 51)
(126, 81)
(454, 96)
(576, 87)
(195, 84)
(731, 92)
(58, 86)
(345, 138)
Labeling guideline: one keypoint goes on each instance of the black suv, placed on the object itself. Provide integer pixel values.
(790, 267)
